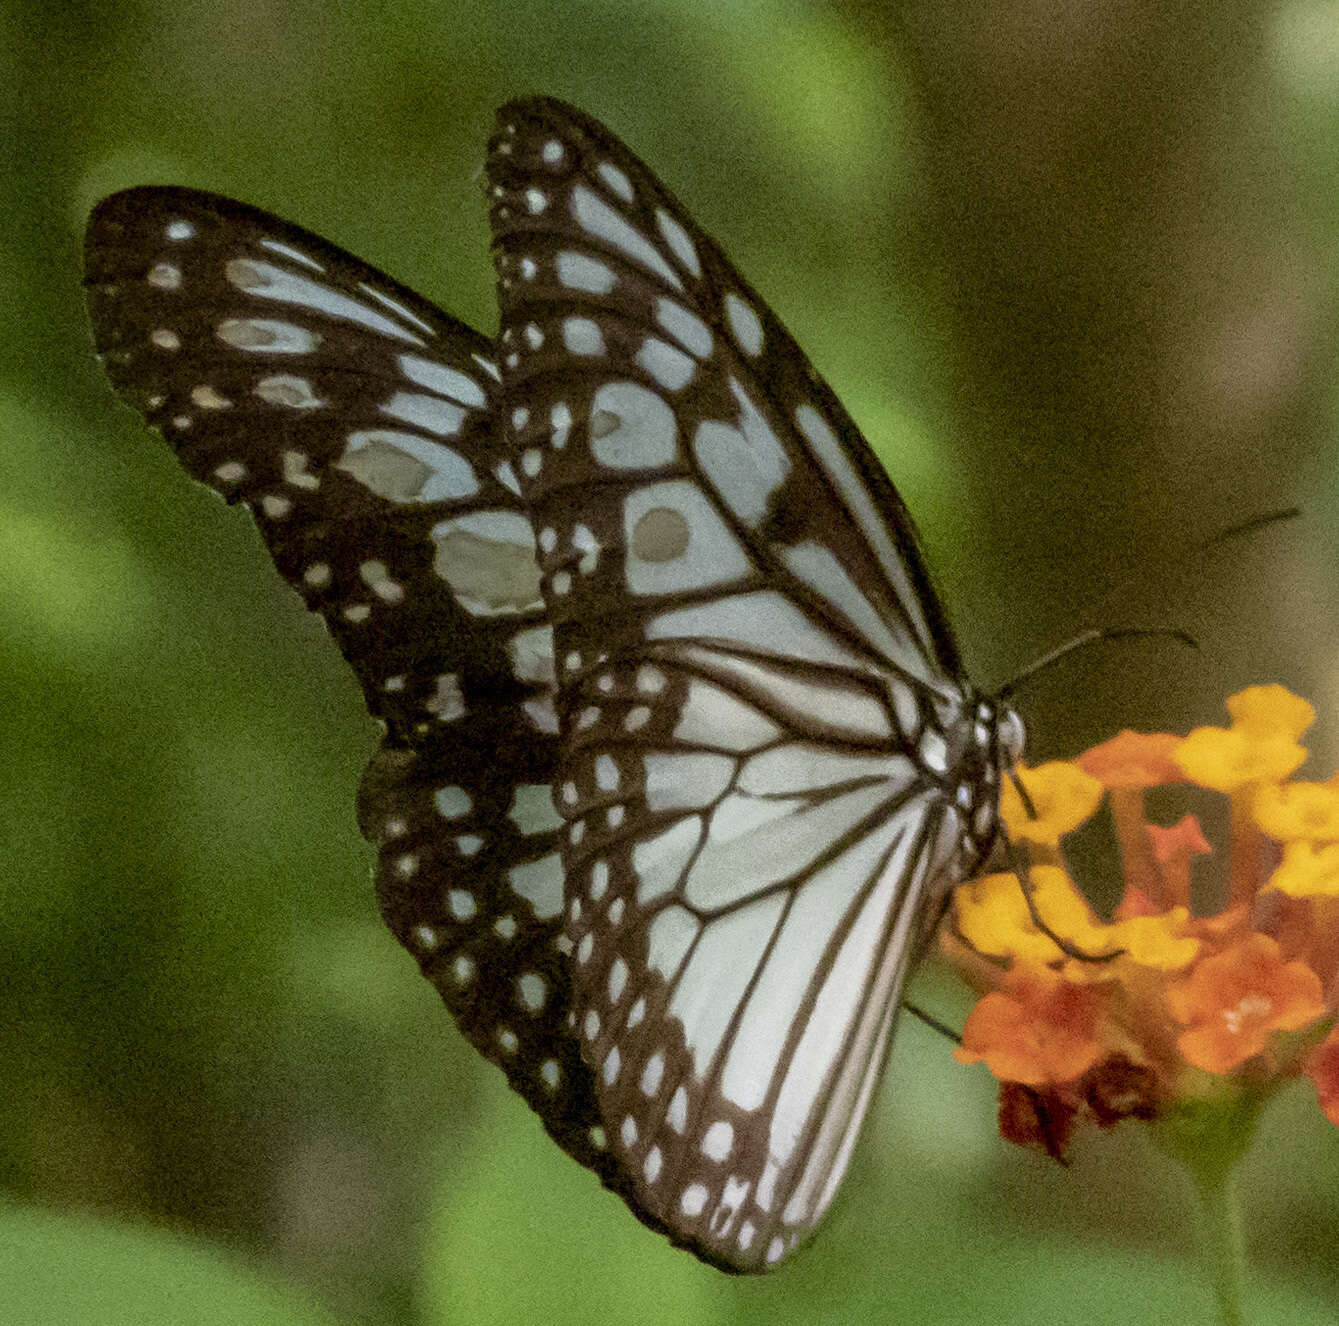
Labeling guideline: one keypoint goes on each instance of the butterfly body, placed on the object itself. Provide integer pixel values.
(680, 758)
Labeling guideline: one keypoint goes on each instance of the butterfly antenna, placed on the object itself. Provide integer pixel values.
(1094, 635)
(1196, 555)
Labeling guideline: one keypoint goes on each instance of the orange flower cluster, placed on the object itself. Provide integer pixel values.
(1162, 1007)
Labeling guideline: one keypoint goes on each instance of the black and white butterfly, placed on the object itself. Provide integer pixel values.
(680, 760)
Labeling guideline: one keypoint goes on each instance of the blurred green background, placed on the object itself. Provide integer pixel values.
(1070, 265)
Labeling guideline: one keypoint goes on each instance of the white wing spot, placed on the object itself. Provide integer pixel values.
(680, 244)
(265, 281)
(529, 268)
(636, 1014)
(534, 338)
(550, 1074)
(532, 990)
(536, 200)
(505, 927)
(694, 1199)
(618, 979)
(488, 559)
(579, 271)
(426, 937)
(650, 680)
(285, 389)
(406, 866)
(463, 968)
(507, 477)
(355, 612)
(613, 1062)
(636, 718)
(653, 1164)
(430, 413)
(443, 379)
(667, 365)
(718, 1141)
(561, 419)
(297, 473)
(447, 701)
(165, 339)
(599, 880)
(468, 844)
(628, 1131)
(452, 803)
(462, 904)
(686, 327)
(506, 1038)
(179, 230)
(231, 471)
(606, 773)
(532, 809)
(165, 276)
(585, 948)
(591, 1025)
(552, 152)
(775, 1249)
(532, 459)
(208, 399)
(377, 578)
(613, 817)
(582, 336)
(744, 325)
(653, 1073)
(632, 427)
(562, 582)
(615, 180)
(598, 219)
(267, 334)
(677, 1114)
(296, 255)
(317, 575)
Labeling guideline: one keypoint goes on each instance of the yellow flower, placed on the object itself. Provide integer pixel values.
(1226, 759)
(1062, 795)
(1271, 708)
(1298, 810)
(1308, 870)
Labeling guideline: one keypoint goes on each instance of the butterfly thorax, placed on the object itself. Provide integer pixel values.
(966, 746)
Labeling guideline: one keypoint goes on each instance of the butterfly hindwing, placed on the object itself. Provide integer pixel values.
(755, 680)
(359, 425)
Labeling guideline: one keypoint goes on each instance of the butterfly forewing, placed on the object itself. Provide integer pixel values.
(359, 424)
(758, 693)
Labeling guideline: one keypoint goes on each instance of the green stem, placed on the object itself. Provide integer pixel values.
(1220, 1237)
(1209, 1137)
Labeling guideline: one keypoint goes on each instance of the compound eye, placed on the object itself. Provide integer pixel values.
(1011, 736)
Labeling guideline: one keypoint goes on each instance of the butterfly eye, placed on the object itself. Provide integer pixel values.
(679, 758)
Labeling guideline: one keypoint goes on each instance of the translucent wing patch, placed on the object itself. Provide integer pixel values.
(359, 425)
(772, 768)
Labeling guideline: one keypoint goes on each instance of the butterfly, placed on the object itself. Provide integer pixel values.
(680, 761)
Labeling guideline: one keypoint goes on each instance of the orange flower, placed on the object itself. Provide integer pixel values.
(1164, 997)
(1232, 1001)
(1323, 1070)
(1042, 1031)
(1133, 759)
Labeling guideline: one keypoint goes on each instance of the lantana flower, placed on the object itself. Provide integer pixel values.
(1179, 1016)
